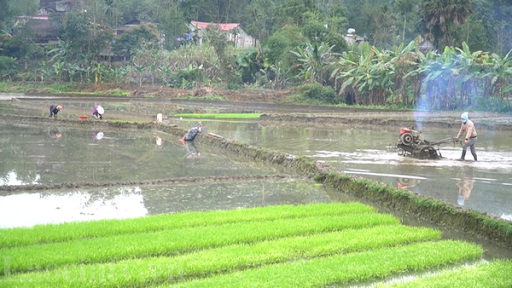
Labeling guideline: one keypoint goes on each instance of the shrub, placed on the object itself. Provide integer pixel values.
(324, 94)
(7, 67)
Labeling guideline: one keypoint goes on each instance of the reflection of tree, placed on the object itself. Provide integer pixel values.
(228, 195)
(78, 157)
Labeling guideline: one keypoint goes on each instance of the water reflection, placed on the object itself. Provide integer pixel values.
(11, 178)
(54, 132)
(465, 185)
(363, 151)
(127, 202)
(98, 135)
(191, 150)
(45, 207)
(94, 156)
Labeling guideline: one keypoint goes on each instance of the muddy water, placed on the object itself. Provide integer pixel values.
(485, 185)
(128, 202)
(44, 155)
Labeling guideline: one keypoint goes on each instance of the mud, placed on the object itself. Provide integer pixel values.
(7, 190)
(95, 90)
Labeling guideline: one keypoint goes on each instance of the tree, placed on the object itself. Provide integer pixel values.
(442, 15)
(144, 36)
(7, 67)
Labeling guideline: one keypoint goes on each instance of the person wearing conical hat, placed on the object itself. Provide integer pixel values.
(467, 128)
(98, 112)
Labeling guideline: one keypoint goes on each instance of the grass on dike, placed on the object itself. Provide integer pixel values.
(342, 269)
(221, 115)
(104, 228)
(173, 242)
(140, 272)
(497, 274)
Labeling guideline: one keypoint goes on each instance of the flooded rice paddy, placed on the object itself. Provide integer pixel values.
(138, 201)
(44, 155)
(368, 152)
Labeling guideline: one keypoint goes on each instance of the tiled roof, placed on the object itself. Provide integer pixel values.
(222, 27)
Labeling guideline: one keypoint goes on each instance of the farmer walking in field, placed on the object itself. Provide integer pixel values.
(468, 128)
(192, 133)
(54, 109)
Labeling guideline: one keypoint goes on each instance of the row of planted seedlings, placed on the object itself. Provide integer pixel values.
(288, 246)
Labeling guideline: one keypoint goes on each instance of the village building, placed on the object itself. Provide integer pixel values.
(233, 32)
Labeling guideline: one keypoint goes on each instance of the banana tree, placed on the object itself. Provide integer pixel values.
(315, 60)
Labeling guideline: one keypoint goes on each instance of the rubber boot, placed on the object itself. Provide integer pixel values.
(462, 156)
(474, 156)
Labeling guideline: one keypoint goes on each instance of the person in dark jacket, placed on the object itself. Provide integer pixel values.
(54, 109)
(192, 133)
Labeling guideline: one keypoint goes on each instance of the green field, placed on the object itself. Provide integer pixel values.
(279, 246)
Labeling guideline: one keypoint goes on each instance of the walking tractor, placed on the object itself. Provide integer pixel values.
(410, 143)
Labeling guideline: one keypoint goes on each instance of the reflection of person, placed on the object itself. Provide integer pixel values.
(191, 150)
(159, 141)
(54, 133)
(98, 135)
(465, 185)
(467, 127)
(54, 109)
(192, 133)
(98, 112)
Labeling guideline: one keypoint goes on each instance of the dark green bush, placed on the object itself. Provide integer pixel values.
(493, 104)
(7, 67)
(324, 94)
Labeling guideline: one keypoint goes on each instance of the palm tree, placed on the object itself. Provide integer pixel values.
(442, 15)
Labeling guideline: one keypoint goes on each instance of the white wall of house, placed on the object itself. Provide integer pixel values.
(241, 40)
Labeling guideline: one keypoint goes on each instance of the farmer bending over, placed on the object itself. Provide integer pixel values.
(98, 112)
(54, 109)
(192, 133)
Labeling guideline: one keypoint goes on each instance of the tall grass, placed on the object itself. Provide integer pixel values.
(103, 228)
(173, 242)
(341, 269)
(497, 274)
(134, 273)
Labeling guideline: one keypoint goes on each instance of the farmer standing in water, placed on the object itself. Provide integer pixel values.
(54, 109)
(468, 128)
(192, 133)
(98, 112)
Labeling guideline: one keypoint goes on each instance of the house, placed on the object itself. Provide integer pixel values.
(234, 33)
(44, 29)
(133, 23)
(55, 6)
(351, 37)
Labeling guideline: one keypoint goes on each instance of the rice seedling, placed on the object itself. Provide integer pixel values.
(341, 269)
(140, 272)
(497, 274)
(104, 228)
(173, 242)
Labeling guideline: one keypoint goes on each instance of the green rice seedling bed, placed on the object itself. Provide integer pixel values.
(172, 242)
(497, 274)
(104, 228)
(341, 269)
(134, 273)
(221, 115)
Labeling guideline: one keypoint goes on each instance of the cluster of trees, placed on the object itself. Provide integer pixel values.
(301, 42)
